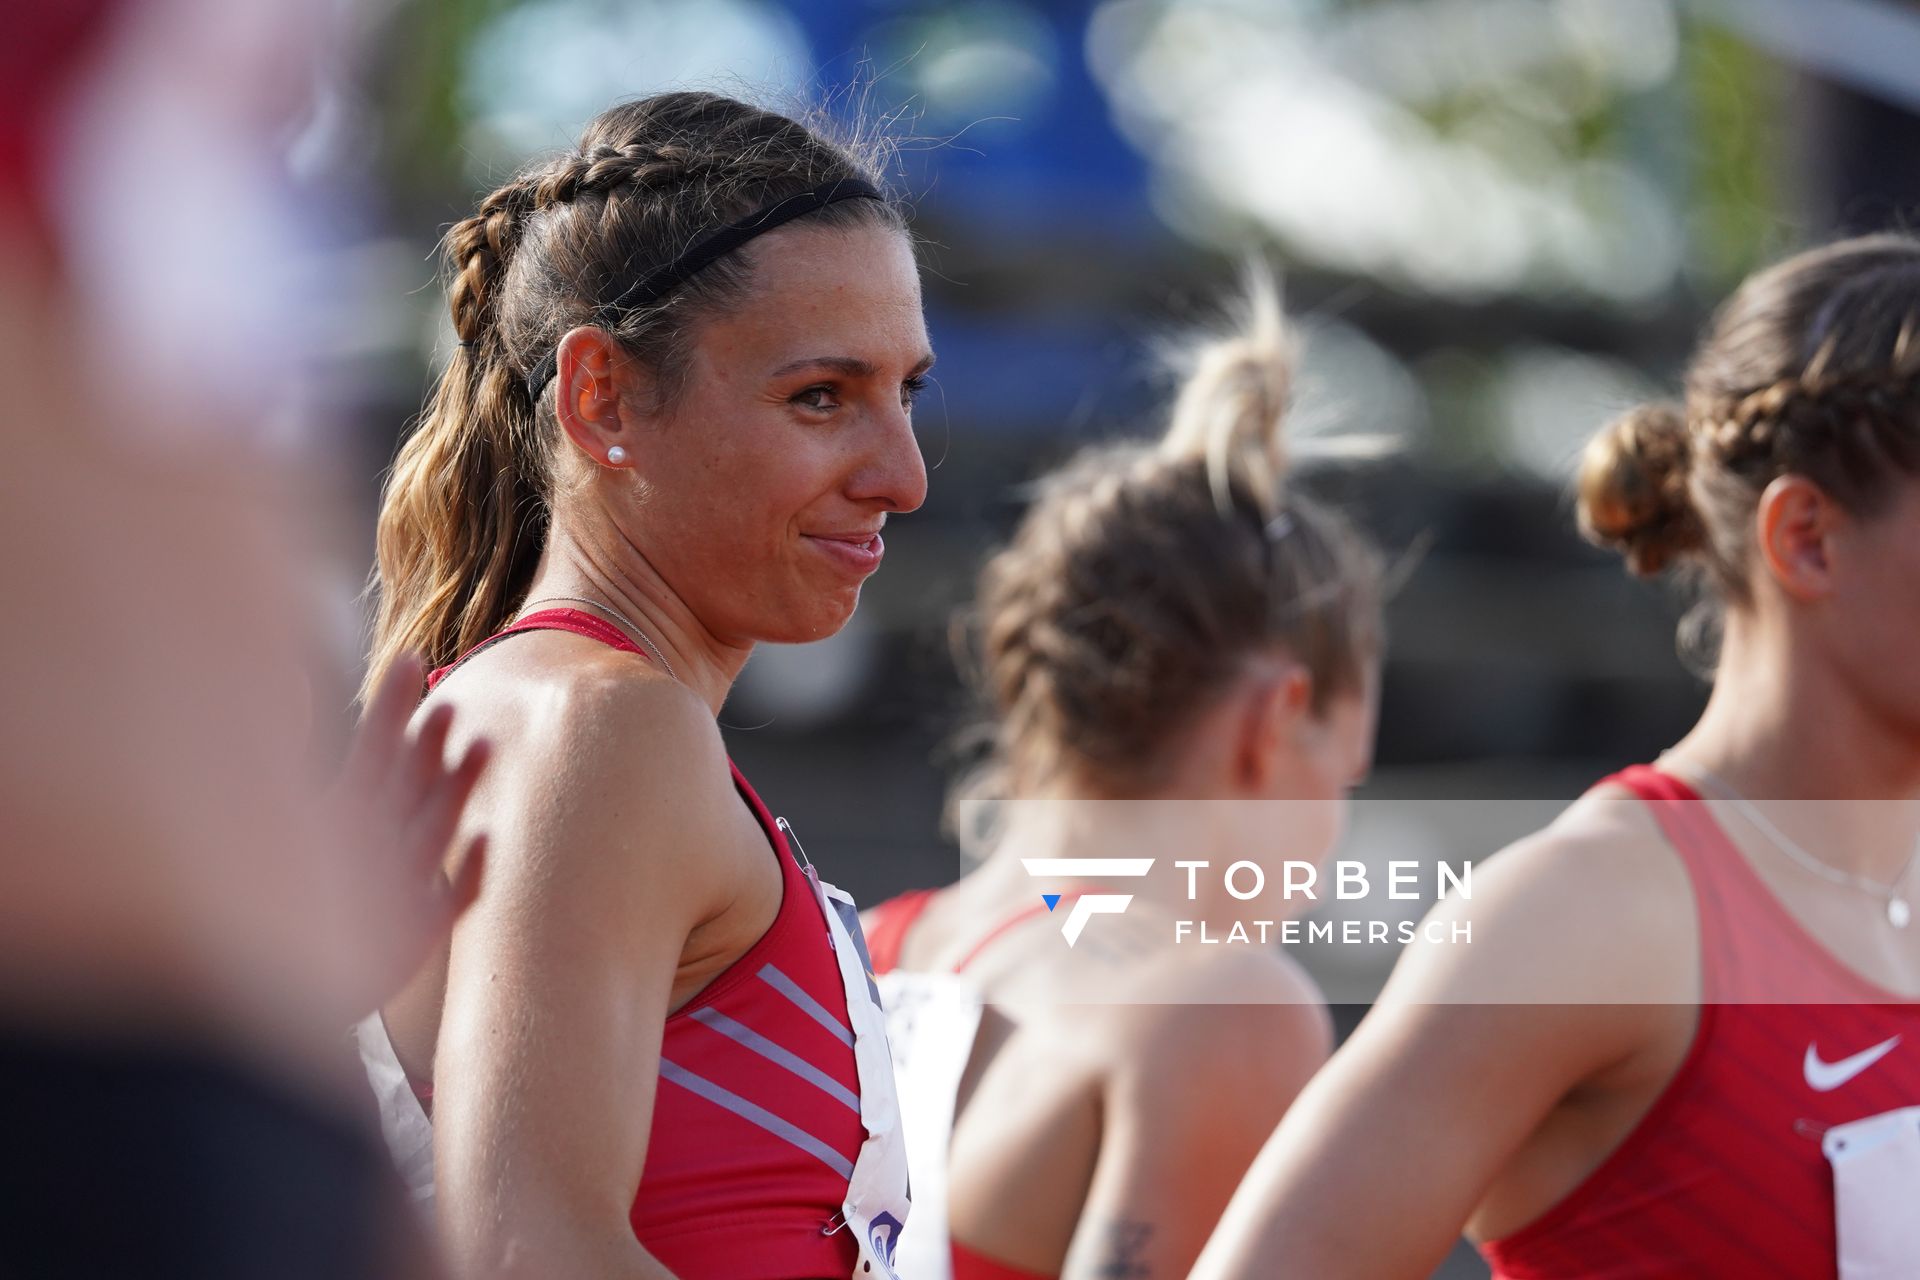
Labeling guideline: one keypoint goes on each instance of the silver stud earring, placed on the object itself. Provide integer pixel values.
(616, 456)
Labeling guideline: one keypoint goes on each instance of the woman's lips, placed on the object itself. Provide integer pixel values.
(858, 553)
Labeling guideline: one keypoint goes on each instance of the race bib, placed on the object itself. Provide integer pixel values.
(932, 1022)
(877, 1194)
(1876, 1194)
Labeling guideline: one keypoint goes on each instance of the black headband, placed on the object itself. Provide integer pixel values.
(651, 288)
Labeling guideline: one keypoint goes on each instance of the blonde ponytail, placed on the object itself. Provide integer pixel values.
(1232, 407)
(463, 516)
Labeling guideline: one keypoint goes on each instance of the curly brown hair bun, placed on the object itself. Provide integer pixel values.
(1812, 369)
(1634, 496)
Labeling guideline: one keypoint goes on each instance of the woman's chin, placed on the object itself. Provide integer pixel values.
(818, 618)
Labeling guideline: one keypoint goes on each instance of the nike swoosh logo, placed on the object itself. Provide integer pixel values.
(1823, 1077)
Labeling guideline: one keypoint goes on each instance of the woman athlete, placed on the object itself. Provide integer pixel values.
(1174, 635)
(1683, 1037)
(677, 419)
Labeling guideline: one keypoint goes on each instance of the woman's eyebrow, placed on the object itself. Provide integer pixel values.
(847, 366)
(851, 366)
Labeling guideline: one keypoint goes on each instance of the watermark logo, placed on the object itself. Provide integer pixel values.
(1086, 905)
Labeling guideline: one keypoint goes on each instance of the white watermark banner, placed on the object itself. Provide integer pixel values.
(1612, 899)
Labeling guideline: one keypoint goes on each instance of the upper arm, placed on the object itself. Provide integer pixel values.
(1184, 1114)
(561, 976)
(1468, 1049)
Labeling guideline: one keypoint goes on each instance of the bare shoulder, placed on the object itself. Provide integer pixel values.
(1594, 908)
(1132, 995)
(598, 753)
(1604, 855)
(593, 715)
(1260, 975)
(1224, 1014)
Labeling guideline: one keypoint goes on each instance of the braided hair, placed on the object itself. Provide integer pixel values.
(1812, 368)
(465, 511)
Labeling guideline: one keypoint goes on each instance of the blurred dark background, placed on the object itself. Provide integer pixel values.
(1500, 222)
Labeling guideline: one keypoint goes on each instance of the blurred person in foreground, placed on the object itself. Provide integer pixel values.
(190, 915)
(1684, 1039)
(679, 415)
(1181, 651)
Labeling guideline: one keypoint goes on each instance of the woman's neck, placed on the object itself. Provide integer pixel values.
(1065, 822)
(1780, 729)
(1777, 728)
(606, 568)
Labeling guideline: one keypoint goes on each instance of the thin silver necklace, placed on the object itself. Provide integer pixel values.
(1899, 912)
(614, 613)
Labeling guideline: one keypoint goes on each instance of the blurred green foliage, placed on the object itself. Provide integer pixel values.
(1739, 199)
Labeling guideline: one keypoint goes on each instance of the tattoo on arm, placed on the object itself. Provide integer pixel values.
(1126, 1243)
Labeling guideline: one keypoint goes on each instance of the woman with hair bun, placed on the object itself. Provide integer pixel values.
(1684, 1039)
(678, 416)
(1174, 635)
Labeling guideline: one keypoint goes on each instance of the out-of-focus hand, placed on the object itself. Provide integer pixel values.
(397, 806)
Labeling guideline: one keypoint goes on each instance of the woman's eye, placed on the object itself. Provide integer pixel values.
(910, 390)
(820, 397)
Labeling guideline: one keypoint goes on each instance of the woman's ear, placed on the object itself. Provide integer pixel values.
(1273, 700)
(1795, 523)
(590, 370)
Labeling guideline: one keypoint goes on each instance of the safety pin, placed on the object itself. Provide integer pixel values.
(793, 841)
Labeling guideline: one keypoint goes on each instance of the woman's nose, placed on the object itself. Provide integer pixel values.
(895, 474)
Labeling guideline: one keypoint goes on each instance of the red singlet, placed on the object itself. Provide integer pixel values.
(1725, 1176)
(756, 1124)
(894, 917)
(892, 920)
